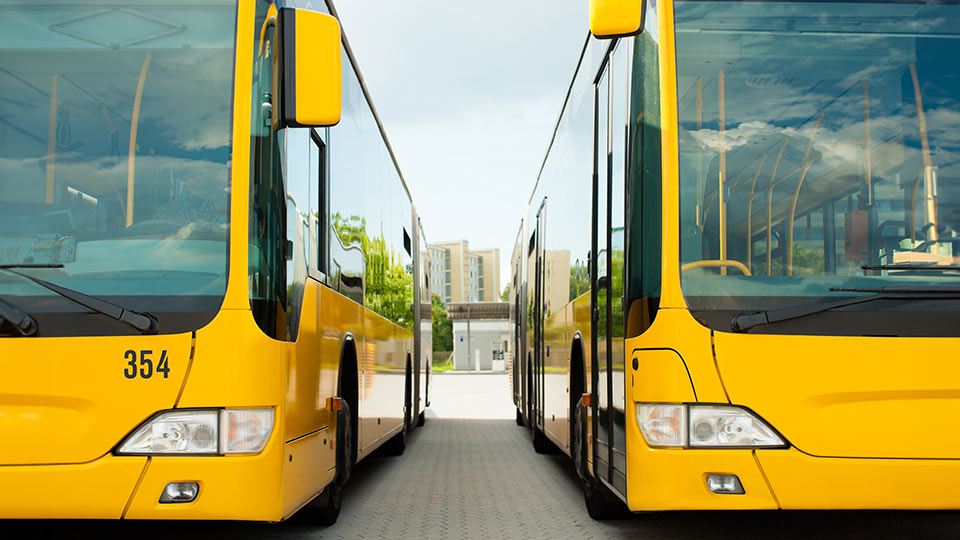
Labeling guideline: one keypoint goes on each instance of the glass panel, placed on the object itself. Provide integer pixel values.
(317, 203)
(114, 152)
(818, 145)
(619, 67)
(346, 207)
(603, 224)
(298, 175)
(268, 210)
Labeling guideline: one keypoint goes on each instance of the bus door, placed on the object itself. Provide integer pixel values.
(531, 319)
(539, 359)
(607, 366)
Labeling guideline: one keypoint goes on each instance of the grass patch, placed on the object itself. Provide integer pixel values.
(442, 361)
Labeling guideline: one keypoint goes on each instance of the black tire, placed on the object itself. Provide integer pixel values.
(578, 444)
(601, 504)
(346, 456)
(519, 417)
(422, 419)
(541, 444)
(398, 443)
(325, 509)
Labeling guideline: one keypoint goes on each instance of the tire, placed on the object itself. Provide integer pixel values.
(325, 509)
(541, 444)
(519, 418)
(422, 419)
(398, 443)
(601, 504)
(346, 455)
(578, 444)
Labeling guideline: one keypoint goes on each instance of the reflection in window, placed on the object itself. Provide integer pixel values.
(114, 147)
(818, 145)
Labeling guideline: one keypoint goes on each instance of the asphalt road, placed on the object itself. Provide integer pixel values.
(471, 473)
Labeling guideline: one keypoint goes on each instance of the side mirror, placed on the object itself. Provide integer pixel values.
(311, 67)
(616, 18)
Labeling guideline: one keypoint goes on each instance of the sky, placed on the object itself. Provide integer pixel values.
(468, 93)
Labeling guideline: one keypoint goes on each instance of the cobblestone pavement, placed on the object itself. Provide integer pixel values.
(471, 473)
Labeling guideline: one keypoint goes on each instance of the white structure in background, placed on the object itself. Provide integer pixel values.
(481, 335)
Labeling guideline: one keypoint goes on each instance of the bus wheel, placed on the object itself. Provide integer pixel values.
(578, 446)
(326, 507)
(541, 444)
(601, 505)
(398, 443)
(519, 418)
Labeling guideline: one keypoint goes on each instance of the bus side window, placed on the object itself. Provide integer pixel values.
(318, 202)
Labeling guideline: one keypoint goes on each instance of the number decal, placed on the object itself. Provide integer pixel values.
(130, 373)
(145, 364)
(162, 364)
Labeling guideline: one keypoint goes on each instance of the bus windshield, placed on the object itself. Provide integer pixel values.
(818, 149)
(114, 151)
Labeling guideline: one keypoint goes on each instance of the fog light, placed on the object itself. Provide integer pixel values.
(724, 484)
(180, 492)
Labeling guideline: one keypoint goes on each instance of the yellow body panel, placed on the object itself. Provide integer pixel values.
(660, 376)
(309, 467)
(609, 18)
(848, 396)
(312, 375)
(806, 482)
(318, 73)
(96, 490)
(70, 398)
(382, 364)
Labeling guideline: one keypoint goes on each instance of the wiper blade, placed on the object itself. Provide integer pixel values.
(21, 320)
(30, 265)
(144, 322)
(746, 321)
(933, 267)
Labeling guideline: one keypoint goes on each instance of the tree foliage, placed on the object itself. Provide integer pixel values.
(442, 326)
(388, 284)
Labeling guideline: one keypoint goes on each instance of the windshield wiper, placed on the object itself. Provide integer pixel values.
(746, 321)
(144, 322)
(933, 267)
(23, 322)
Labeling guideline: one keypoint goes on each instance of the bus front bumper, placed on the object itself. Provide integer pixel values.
(676, 479)
(114, 487)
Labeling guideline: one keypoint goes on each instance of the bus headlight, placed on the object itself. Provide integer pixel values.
(201, 432)
(719, 426)
(704, 426)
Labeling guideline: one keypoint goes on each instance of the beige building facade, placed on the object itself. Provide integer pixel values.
(465, 276)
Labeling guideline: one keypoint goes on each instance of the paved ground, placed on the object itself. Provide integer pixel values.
(472, 473)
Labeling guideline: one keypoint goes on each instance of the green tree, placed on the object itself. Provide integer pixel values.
(505, 295)
(442, 326)
(388, 287)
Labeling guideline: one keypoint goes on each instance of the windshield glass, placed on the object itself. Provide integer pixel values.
(818, 147)
(114, 153)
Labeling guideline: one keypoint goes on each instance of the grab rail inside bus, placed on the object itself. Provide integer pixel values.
(716, 263)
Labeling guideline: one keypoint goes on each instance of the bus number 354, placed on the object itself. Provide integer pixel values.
(145, 364)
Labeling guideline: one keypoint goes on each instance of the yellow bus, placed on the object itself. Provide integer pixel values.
(758, 308)
(210, 266)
